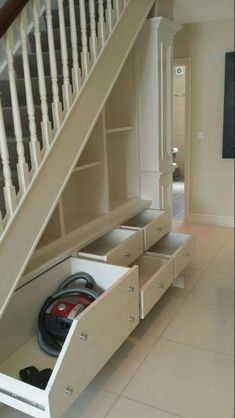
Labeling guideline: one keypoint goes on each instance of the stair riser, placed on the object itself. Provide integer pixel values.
(55, 15)
(44, 40)
(5, 91)
(13, 154)
(46, 62)
(24, 121)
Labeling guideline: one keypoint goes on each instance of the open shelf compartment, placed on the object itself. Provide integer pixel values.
(106, 324)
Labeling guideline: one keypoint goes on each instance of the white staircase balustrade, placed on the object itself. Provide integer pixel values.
(85, 53)
(101, 24)
(46, 123)
(22, 166)
(9, 189)
(35, 151)
(67, 90)
(76, 71)
(109, 17)
(58, 44)
(56, 105)
(93, 38)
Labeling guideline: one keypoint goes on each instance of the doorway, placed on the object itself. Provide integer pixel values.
(181, 137)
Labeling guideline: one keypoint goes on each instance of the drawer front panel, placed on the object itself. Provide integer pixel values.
(157, 229)
(78, 375)
(128, 251)
(155, 288)
(184, 255)
(94, 338)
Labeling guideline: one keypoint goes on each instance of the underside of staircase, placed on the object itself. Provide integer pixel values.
(34, 211)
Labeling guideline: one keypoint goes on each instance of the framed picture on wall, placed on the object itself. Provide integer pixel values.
(228, 126)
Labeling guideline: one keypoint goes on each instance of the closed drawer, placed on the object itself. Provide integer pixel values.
(119, 247)
(155, 276)
(93, 338)
(179, 246)
(155, 224)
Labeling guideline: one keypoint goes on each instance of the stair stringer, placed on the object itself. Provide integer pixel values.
(33, 214)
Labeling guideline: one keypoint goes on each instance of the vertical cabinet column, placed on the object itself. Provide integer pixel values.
(154, 75)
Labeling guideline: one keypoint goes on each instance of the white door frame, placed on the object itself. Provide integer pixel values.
(187, 63)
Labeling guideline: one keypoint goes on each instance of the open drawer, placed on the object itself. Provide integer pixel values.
(179, 246)
(155, 276)
(155, 224)
(119, 247)
(93, 337)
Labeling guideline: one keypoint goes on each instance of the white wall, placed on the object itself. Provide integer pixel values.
(211, 187)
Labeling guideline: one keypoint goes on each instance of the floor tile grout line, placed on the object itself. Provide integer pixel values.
(197, 347)
(153, 407)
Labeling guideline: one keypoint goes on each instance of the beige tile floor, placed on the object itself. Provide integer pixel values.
(179, 361)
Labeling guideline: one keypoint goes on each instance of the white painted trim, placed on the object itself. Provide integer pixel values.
(163, 21)
(199, 218)
(187, 63)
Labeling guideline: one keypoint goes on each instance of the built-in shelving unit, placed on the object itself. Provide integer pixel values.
(123, 163)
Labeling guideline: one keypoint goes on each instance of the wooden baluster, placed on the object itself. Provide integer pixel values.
(1, 225)
(9, 189)
(101, 25)
(46, 124)
(117, 7)
(76, 72)
(56, 105)
(93, 38)
(66, 88)
(109, 17)
(35, 151)
(22, 166)
(85, 53)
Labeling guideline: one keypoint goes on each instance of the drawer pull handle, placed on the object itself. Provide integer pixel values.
(187, 254)
(68, 391)
(83, 336)
(131, 319)
(160, 229)
(128, 254)
(131, 289)
(161, 286)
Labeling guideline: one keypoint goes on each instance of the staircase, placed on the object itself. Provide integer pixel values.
(55, 85)
(20, 81)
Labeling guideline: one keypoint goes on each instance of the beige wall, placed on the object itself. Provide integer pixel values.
(178, 139)
(211, 186)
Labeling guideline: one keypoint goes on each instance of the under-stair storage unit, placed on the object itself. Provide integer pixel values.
(180, 247)
(92, 339)
(115, 203)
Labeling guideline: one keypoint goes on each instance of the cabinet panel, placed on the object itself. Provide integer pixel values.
(155, 276)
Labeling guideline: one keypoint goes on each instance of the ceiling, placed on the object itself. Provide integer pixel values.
(188, 11)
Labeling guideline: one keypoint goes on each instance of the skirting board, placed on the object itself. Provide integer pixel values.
(217, 220)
